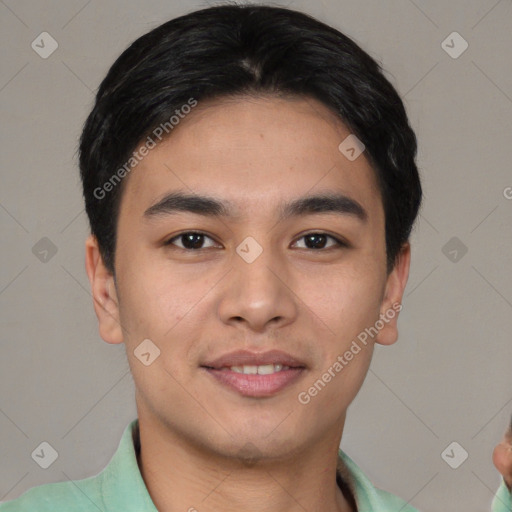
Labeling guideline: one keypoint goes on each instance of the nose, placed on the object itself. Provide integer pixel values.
(258, 295)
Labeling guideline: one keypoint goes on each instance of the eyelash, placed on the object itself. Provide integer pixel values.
(339, 243)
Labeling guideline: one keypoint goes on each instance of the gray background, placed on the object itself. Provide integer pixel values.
(447, 379)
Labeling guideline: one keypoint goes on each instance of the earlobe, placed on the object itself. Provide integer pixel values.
(104, 293)
(392, 300)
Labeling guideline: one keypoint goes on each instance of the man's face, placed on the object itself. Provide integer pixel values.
(203, 297)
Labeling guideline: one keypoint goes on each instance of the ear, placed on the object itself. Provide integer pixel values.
(106, 304)
(392, 300)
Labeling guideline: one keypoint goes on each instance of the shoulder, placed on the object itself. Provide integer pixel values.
(78, 495)
(502, 501)
(119, 486)
(391, 502)
(368, 497)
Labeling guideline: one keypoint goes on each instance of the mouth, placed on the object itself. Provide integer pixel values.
(255, 384)
(262, 369)
(255, 374)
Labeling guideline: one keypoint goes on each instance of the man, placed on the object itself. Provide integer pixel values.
(250, 182)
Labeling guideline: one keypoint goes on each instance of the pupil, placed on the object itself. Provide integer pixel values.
(194, 238)
(315, 239)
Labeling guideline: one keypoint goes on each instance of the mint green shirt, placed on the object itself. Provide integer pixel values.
(119, 487)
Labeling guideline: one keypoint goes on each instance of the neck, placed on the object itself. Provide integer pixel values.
(180, 477)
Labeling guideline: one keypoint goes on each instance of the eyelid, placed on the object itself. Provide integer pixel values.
(340, 242)
(168, 241)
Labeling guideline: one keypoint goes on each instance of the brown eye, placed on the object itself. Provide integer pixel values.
(318, 241)
(191, 240)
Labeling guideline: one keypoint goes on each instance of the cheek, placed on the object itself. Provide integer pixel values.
(158, 298)
(169, 308)
(330, 391)
(347, 302)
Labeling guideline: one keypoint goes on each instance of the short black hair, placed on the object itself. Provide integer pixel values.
(232, 51)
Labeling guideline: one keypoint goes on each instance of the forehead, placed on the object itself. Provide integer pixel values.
(255, 153)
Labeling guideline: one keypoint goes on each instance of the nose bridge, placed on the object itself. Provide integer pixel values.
(257, 292)
(257, 269)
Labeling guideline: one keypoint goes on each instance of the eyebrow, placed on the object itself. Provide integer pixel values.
(339, 204)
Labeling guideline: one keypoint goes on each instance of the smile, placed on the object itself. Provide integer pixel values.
(264, 369)
(255, 381)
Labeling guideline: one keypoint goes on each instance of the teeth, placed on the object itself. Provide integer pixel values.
(264, 369)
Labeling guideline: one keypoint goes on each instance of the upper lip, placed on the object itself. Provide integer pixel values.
(248, 358)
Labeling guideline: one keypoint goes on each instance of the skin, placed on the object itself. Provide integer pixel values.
(204, 446)
(502, 458)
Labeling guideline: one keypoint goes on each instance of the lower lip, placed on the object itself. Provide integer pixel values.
(256, 385)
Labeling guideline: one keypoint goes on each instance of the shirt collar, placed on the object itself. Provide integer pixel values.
(123, 487)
